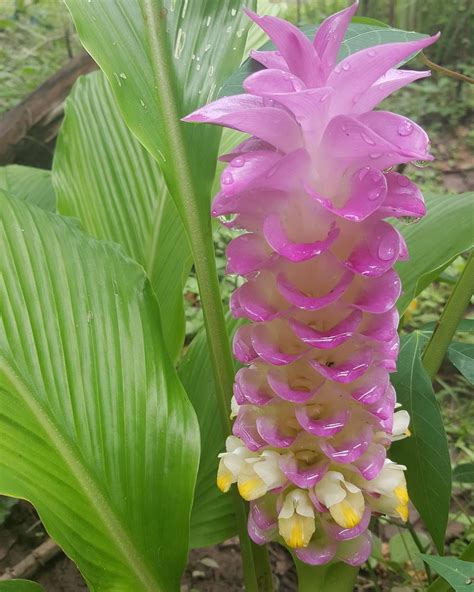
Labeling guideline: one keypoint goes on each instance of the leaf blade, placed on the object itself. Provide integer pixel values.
(85, 383)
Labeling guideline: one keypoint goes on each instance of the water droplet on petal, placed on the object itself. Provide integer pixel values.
(227, 219)
(386, 250)
(337, 69)
(346, 67)
(372, 53)
(403, 181)
(405, 128)
(376, 176)
(363, 173)
(367, 139)
(374, 194)
(323, 97)
(238, 162)
(375, 155)
(227, 178)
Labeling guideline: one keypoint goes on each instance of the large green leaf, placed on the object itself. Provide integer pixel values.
(20, 586)
(195, 47)
(462, 356)
(425, 452)
(212, 518)
(105, 177)
(446, 231)
(95, 426)
(358, 36)
(464, 473)
(458, 573)
(28, 183)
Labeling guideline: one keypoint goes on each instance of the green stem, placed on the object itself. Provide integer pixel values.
(452, 314)
(420, 547)
(182, 187)
(440, 584)
(336, 577)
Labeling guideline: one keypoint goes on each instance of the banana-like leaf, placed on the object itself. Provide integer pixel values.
(425, 452)
(105, 177)
(212, 518)
(95, 426)
(195, 47)
(30, 184)
(446, 231)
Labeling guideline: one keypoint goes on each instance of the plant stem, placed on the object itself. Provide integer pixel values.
(452, 314)
(440, 584)
(181, 185)
(420, 547)
(336, 577)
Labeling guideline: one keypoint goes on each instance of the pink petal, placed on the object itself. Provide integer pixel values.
(278, 382)
(266, 83)
(326, 426)
(382, 327)
(371, 387)
(295, 47)
(378, 251)
(247, 114)
(330, 35)
(367, 192)
(268, 348)
(318, 552)
(349, 450)
(410, 139)
(289, 291)
(253, 387)
(357, 551)
(247, 253)
(371, 462)
(269, 59)
(339, 533)
(351, 369)
(262, 518)
(331, 338)
(242, 345)
(379, 294)
(356, 73)
(269, 429)
(244, 428)
(258, 535)
(302, 475)
(278, 240)
(403, 198)
(387, 84)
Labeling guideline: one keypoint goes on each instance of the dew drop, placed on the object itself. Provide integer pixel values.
(374, 194)
(229, 29)
(386, 250)
(403, 181)
(179, 45)
(227, 178)
(268, 102)
(405, 128)
(238, 162)
(337, 69)
(372, 53)
(346, 67)
(227, 219)
(233, 12)
(367, 139)
(324, 98)
(376, 177)
(363, 173)
(375, 155)
(208, 47)
(117, 78)
(198, 67)
(344, 128)
(123, 75)
(208, 21)
(142, 103)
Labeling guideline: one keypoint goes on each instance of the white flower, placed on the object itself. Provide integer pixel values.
(390, 485)
(296, 519)
(343, 499)
(401, 421)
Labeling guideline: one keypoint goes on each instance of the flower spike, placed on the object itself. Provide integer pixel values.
(309, 193)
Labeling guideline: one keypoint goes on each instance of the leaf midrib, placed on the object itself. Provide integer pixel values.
(111, 523)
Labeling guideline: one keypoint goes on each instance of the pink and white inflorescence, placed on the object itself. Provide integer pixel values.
(312, 188)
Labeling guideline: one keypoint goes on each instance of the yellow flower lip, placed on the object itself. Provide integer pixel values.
(250, 488)
(401, 494)
(224, 481)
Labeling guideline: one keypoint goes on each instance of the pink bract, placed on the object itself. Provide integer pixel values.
(311, 188)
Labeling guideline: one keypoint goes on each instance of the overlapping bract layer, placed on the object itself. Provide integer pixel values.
(312, 189)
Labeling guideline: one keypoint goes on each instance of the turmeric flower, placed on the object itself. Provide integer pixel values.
(312, 188)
